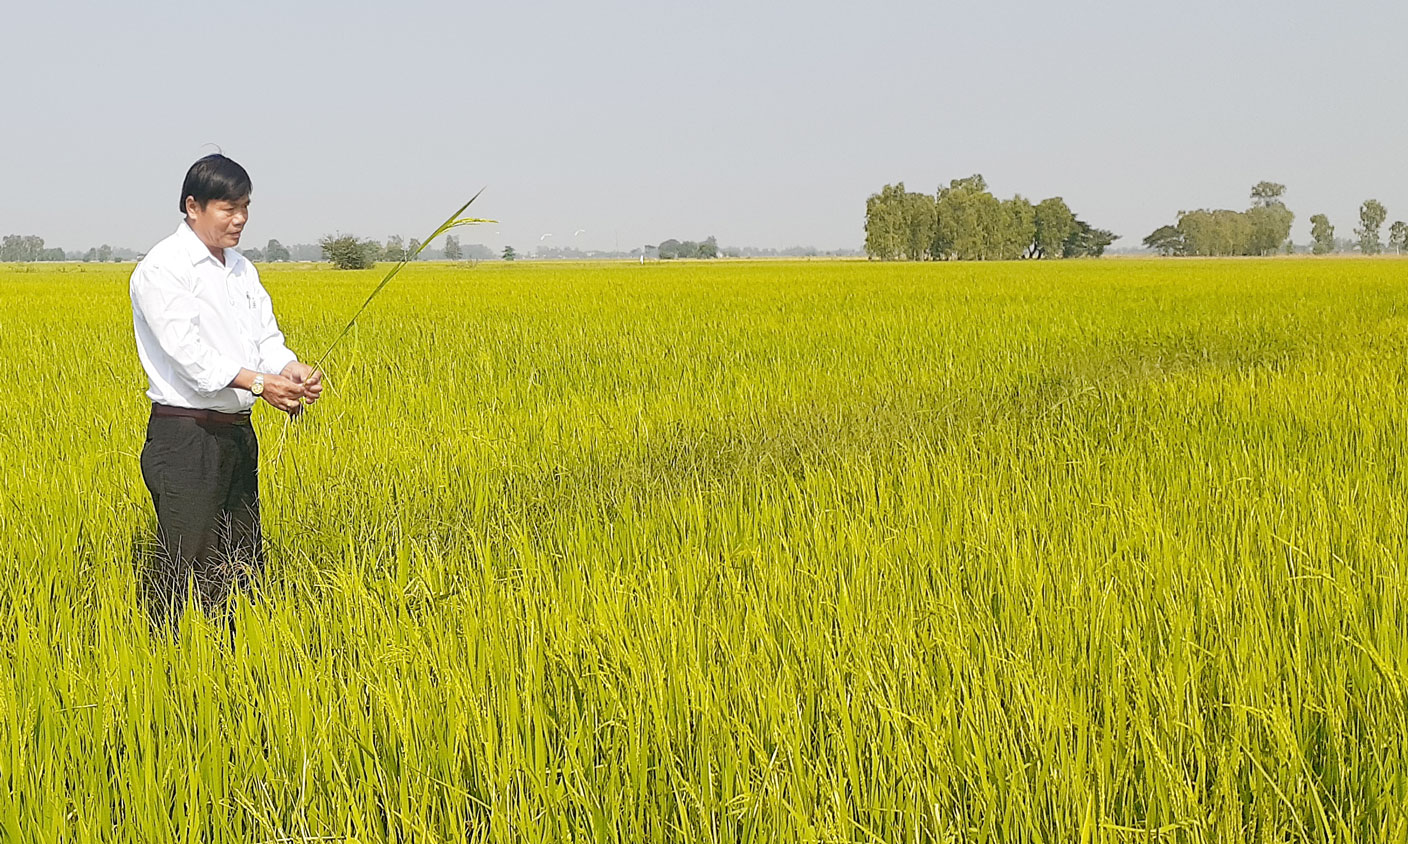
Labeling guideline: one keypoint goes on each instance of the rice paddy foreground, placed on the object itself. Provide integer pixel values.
(775, 551)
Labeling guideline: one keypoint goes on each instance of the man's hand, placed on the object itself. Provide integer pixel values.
(284, 393)
(303, 374)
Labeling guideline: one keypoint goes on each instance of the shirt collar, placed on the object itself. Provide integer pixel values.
(196, 250)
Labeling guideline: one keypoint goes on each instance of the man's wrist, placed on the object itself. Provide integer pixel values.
(245, 379)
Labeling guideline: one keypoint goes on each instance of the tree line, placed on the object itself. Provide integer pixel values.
(272, 251)
(965, 222)
(1262, 229)
(1265, 228)
(349, 252)
(28, 247)
(670, 249)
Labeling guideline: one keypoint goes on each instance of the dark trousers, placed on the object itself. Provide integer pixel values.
(204, 480)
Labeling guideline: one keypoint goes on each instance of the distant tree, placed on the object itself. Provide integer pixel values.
(412, 249)
(1087, 241)
(348, 253)
(395, 249)
(969, 221)
(52, 255)
(709, 248)
(884, 223)
(1270, 226)
(1398, 237)
(1198, 231)
(276, 251)
(253, 253)
(1371, 216)
(1054, 222)
(1269, 219)
(452, 248)
(1166, 240)
(990, 227)
(509, 254)
(1263, 229)
(669, 249)
(1322, 234)
(965, 222)
(1017, 231)
(21, 247)
(1267, 194)
(1216, 232)
(917, 225)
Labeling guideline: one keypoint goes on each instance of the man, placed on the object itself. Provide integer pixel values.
(211, 348)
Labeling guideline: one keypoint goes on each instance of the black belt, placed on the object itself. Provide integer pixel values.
(205, 417)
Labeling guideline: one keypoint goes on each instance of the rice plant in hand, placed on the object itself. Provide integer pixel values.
(454, 221)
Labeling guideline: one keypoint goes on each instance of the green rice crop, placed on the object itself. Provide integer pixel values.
(728, 552)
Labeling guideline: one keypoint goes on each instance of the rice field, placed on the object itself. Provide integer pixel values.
(737, 552)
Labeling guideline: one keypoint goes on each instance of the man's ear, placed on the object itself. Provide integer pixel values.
(191, 206)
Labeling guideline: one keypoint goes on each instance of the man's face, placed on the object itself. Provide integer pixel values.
(219, 223)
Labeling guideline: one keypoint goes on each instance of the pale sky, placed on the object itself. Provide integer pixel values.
(764, 124)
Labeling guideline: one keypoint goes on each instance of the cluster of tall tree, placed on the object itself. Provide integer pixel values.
(395, 249)
(1262, 229)
(1265, 228)
(398, 249)
(272, 251)
(27, 247)
(706, 248)
(352, 253)
(965, 222)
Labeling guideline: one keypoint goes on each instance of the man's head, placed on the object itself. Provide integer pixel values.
(215, 200)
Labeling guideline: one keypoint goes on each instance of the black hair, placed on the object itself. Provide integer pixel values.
(215, 177)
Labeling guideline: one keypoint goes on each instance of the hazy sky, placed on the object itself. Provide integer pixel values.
(764, 124)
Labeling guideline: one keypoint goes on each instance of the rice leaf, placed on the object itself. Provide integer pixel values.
(451, 222)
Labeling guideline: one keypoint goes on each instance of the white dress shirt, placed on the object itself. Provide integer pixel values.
(199, 323)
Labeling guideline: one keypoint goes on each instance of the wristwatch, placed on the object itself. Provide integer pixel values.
(258, 386)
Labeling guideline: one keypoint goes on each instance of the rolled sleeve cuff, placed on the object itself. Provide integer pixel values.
(278, 360)
(217, 377)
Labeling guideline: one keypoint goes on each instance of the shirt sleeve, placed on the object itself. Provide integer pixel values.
(172, 313)
(274, 353)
